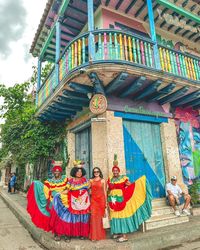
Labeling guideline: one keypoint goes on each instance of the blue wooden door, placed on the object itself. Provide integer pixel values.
(83, 148)
(143, 154)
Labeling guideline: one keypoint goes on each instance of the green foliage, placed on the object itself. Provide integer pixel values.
(22, 135)
(194, 191)
(196, 160)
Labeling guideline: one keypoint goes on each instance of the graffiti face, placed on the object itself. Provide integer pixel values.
(189, 144)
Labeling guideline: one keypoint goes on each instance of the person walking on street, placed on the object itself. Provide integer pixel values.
(12, 182)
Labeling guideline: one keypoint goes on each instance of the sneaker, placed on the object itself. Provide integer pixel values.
(177, 213)
(186, 212)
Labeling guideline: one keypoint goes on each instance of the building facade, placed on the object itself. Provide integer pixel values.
(126, 81)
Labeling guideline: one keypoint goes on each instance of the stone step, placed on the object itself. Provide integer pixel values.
(157, 211)
(165, 220)
(196, 210)
(159, 202)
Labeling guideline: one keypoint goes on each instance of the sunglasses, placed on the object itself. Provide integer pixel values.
(96, 172)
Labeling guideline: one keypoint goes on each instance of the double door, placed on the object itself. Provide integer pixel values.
(143, 154)
(83, 148)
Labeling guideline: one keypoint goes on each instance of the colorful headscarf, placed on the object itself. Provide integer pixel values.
(115, 167)
(57, 168)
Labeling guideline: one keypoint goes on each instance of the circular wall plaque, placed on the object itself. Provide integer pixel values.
(98, 104)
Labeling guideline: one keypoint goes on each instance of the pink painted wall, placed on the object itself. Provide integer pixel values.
(110, 17)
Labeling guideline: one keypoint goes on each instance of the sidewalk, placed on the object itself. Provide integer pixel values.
(12, 234)
(167, 237)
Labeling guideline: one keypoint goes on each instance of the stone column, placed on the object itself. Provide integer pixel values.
(107, 140)
(115, 140)
(171, 152)
(99, 143)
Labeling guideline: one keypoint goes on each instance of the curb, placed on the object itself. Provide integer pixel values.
(154, 239)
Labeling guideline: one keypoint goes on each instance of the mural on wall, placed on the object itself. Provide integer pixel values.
(188, 129)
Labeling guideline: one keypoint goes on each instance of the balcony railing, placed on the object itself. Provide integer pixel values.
(119, 46)
(47, 88)
(180, 64)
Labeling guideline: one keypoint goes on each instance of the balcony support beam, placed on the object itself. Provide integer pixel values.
(185, 99)
(116, 83)
(153, 33)
(150, 89)
(192, 103)
(135, 86)
(175, 95)
(97, 83)
(164, 91)
(90, 6)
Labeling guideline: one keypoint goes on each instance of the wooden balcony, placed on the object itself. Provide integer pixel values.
(120, 57)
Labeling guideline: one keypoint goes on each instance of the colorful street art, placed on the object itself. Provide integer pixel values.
(188, 129)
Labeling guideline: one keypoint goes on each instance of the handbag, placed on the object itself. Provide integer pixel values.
(106, 220)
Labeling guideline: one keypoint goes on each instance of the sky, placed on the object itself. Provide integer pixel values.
(19, 20)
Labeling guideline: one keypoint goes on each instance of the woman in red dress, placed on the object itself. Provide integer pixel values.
(98, 205)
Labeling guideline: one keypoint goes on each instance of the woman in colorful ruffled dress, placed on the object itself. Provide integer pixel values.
(71, 218)
(98, 205)
(40, 196)
(129, 204)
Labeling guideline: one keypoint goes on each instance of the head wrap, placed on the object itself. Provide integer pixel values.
(78, 163)
(57, 168)
(115, 167)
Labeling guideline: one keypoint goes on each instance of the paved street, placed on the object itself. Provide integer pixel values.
(188, 246)
(13, 236)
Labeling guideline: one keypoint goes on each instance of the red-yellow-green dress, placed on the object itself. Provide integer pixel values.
(130, 205)
(39, 200)
(70, 213)
(98, 204)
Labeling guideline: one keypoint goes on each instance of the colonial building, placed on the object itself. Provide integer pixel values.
(126, 80)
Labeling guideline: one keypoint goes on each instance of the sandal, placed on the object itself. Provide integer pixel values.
(67, 239)
(115, 236)
(121, 240)
(57, 238)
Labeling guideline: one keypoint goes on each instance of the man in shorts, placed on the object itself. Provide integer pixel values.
(175, 196)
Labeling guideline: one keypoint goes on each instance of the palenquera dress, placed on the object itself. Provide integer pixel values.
(70, 216)
(39, 200)
(130, 205)
(98, 204)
